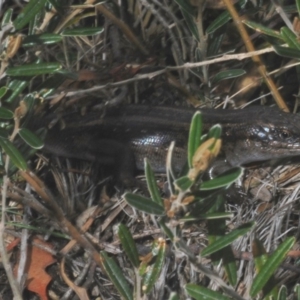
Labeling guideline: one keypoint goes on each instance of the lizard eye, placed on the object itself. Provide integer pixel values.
(284, 134)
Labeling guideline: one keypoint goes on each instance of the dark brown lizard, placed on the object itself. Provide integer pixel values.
(128, 134)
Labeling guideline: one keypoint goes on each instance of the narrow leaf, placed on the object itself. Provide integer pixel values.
(6, 18)
(262, 29)
(229, 265)
(34, 69)
(270, 289)
(3, 133)
(41, 39)
(223, 75)
(194, 136)
(82, 31)
(298, 6)
(154, 271)
(183, 183)
(227, 239)
(287, 52)
(151, 183)
(200, 293)
(282, 295)
(214, 47)
(215, 132)
(29, 12)
(144, 204)
(211, 216)
(3, 91)
(218, 22)
(290, 38)
(16, 87)
(185, 6)
(222, 180)
(270, 266)
(6, 113)
(297, 286)
(259, 254)
(116, 276)
(14, 154)
(191, 24)
(128, 244)
(174, 296)
(30, 101)
(31, 139)
(167, 230)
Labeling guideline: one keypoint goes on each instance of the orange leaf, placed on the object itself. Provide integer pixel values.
(37, 261)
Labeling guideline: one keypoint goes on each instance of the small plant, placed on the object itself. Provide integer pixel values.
(192, 199)
(59, 53)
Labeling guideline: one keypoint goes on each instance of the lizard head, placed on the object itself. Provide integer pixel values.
(270, 134)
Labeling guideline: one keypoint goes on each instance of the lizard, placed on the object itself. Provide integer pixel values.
(125, 135)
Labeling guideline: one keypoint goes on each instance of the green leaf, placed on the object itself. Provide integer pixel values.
(57, 4)
(298, 6)
(290, 38)
(183, 183)
(216, 229)
(191, 25)
(153, 272)
(6, 19)
(128, 245)
(30, 101)
(151, 183)
(14, 154)
(170, 179)
(287, 52)
(218, 22)
(270, 289)
(34, 69)
(259, 254)
(214, 132)
(31, 139)
(3, 91)
(201, 293)
(186, 7)
(144, 204)
(214, 45)
(82, 31)
(282, 295)
(42, 39)
(174, 296)
(29, 12)
(225, 179)
(6, 113)
(210, 216)
(3, 133)
(297, 291)
(223, 75)
(167, 230)
(270, 266)
(262, 29)
(229, 264)
(16, 87)
(41, 230)
(226, 240)
(116, 276)
(194, 136)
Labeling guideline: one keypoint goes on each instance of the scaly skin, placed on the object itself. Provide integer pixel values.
(128, 134)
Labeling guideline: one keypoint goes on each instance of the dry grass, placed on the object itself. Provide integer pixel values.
(145, 53)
